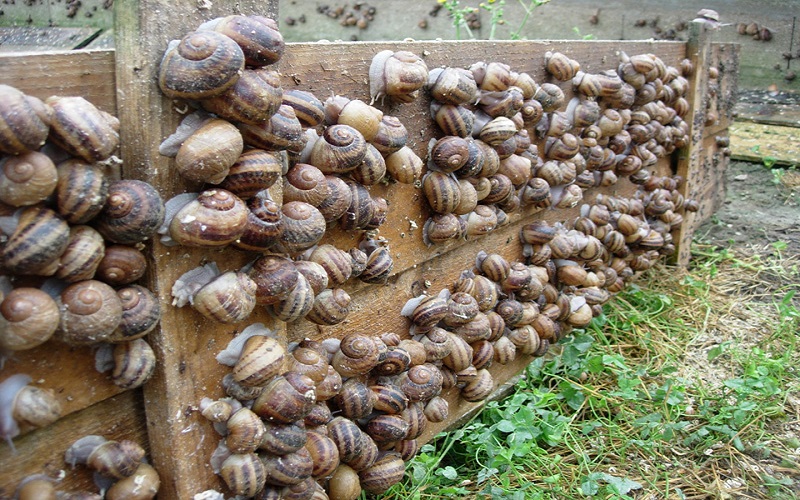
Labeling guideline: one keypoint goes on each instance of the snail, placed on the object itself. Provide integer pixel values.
(340, 149)
(264, 225)
(255, 356)
(24, 121)
(253, 99)
(27, 179)
(404, 165)
(143, 484)
(452, 86)
(209, 152)
(398, 75)
(82, 256)
(29, 317)
(33, 247)
(81, 129)
(391, 135)
(216, 217)
(257, 36)
(121, 265)
(131, 363)
(355, 113)
(308, 108)
(244, 474)
(81, 191)
(282, 131)
(90, 313)
(286, 398)
(201, 65)
(115, 459)
(23, 404)
(133, 212)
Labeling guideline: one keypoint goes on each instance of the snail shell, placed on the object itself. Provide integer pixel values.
(121, 265)
(134, 364)
(257, 36)
(81, 191)
(357, 355)
(391, 135)
(452, 86)
(340, 149)
(85, 250)
(316, 275)
(207, 154)
(355, 113)
(303, 226)
(397, 74)
(23, 404)
(387, 428)
(215, 218)
(379, 266)
(355, 400)
(133, 212)
(504, 350)
(282, 439)
(460, 356)
(202, 64)
(143, 484)
(372, 168)
(253, 99)
(324, 454)
(344, 484)
(27, 179)
(330, 385)
(336, 262)
(286, 398)
(320, 414)
(550, 96)
(560, 66)
(437, 344)
(404, 165)
(282, 131)
(497, 130)
(29, 318)
(389, 399)
(261, 359)
(310, 362)
(90, 312)
(306, 183)
(275, 276)
(40, 237)
(437, 409)
(114, 459)
(295, 304)
(385, 472)
(82, 130)
(453, 119)
(442, 191)
(141, 312)
(397, 360)
(244, 474)
(24, 121)
(330, 307)
(361, 210)
(245, 431)
(264, 224)
(228, 298)
(339, 198)
(421, 382)
(479, 388)
(309, 110)
(348, 438)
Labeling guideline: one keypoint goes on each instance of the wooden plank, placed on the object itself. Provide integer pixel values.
(29, 38)
(768, 113)
(87, 73)
(42, 451)
(184, 345)
(768, 144)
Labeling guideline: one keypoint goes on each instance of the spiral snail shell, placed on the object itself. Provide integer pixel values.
(82, 256)
(133, 212)
(208, 154)
(90, 312)
(27, 179)
(29, 317)
(215, 218)
(228, 298)
(253, 99)
(24, 121)
(396, 74)
(357, 355)
(40, 237)
(24, 404)
(340, 149)
(452, 85)
(286, 398)
(201, 65)
(81, 129)
(115, 459)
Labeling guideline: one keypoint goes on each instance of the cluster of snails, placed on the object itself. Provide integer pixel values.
(489, 164)
(309, 287)
(120, 471)
(330, 419)
(755, 30)
(71, 241)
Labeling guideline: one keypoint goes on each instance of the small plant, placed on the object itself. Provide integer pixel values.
(495, 8)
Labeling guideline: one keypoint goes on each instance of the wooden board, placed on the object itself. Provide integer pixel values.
(763, 143)
(26, 39)
(787, 115)
(186, 343)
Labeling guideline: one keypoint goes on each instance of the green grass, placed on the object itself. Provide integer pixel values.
(683, 388)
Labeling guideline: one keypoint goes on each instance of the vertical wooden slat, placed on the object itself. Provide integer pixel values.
(184, 345)
(698, 49)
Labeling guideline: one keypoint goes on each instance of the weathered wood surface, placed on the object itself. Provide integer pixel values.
(786, 115)
(186, 344)
(42, 451)
(763, 143)
(19, 39)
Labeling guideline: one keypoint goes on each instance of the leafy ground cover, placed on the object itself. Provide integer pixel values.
(686, 387)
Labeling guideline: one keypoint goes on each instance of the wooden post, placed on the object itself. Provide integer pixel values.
(179, 448)
(690, 159)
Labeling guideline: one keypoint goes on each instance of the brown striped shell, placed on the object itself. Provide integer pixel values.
(121, 265)
(286, 398)
(275, 276)
(253, 99)
(331, 307)
(357, 355)
(40, 237)
(244, 474)
(81, 190)
(133, 212)
(141, 312)
(324, 454)
(24, 121)
(81, 129)
(385, 472)
(303, 226)
(90, 312)
(228, 298)
(134, 364)
(355, 400)
(215, 218)
(82, 256)
(207, 154)
(261, 359)
(340, 149)
(264, 224)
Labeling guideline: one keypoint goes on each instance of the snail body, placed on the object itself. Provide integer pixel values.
(396, 74)
(23, 404)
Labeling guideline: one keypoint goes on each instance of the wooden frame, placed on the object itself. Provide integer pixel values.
(180, 440)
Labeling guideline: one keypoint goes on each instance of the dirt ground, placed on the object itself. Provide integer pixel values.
(762, 208)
